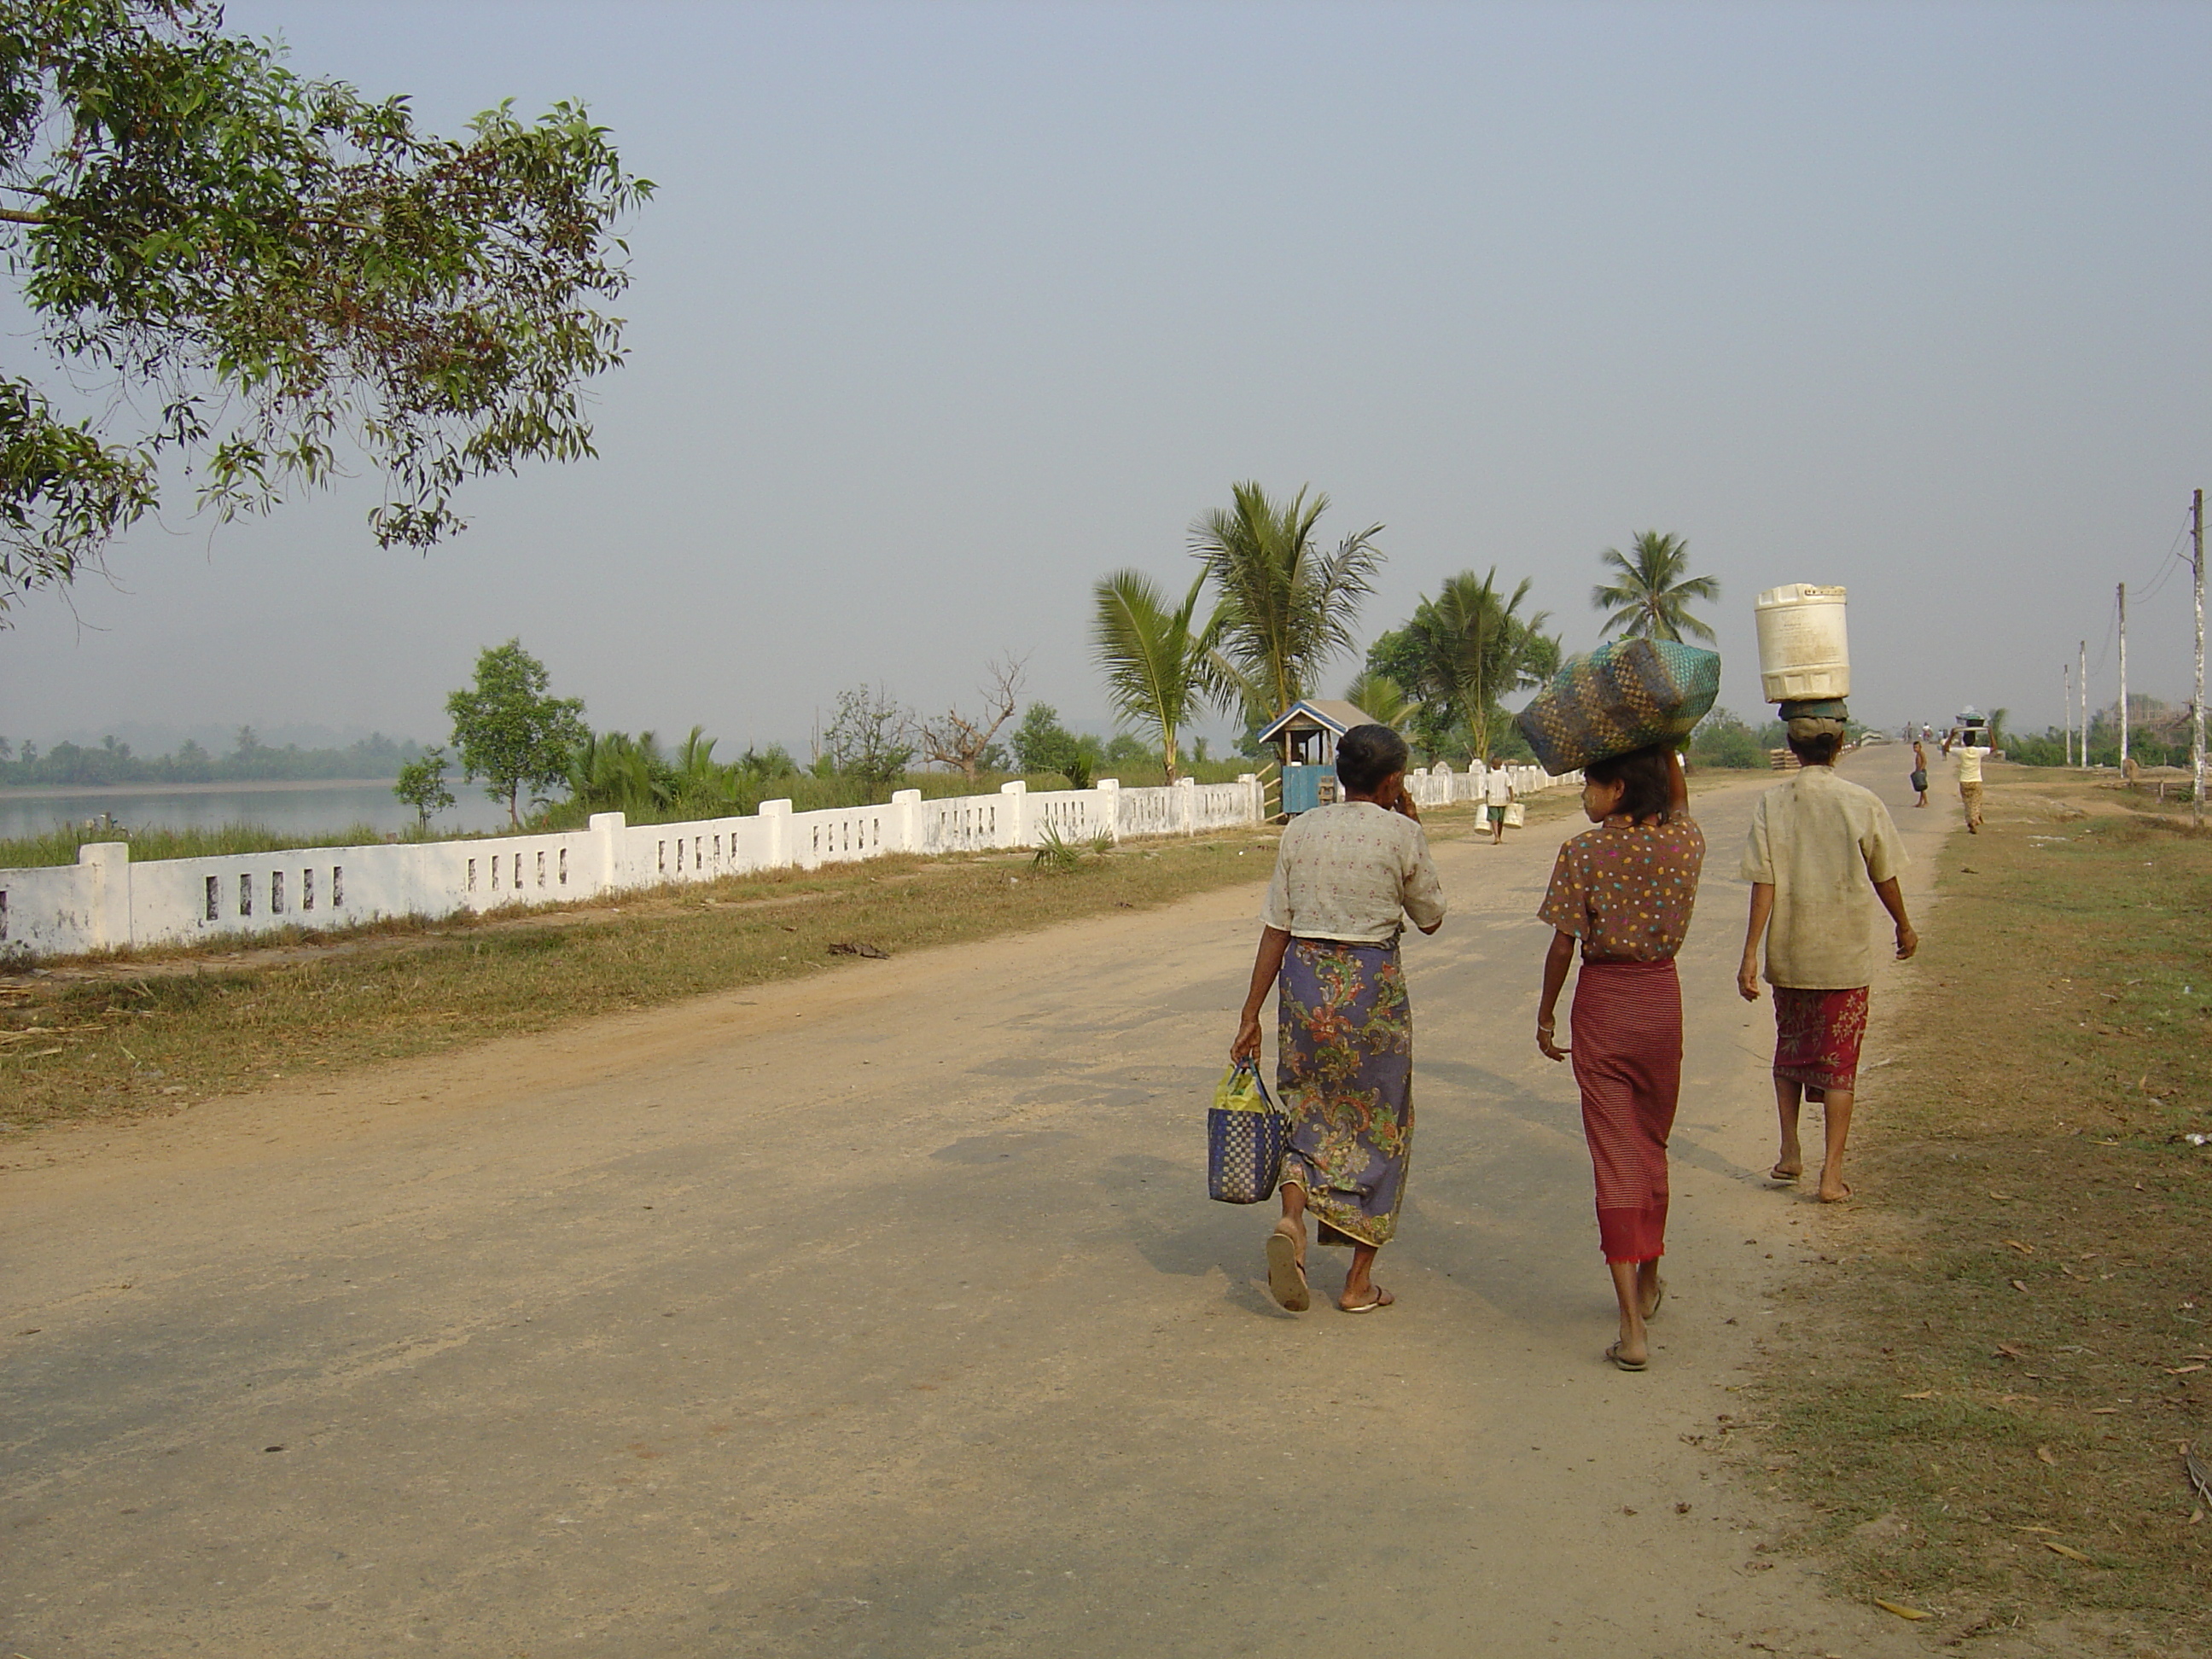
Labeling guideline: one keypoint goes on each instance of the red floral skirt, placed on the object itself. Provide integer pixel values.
(1628, 1054)
(1817, 1036)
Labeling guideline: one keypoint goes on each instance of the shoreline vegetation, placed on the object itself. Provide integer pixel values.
(374, 759)
(1990, 1367)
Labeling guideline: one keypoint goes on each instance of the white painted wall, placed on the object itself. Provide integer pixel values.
(105, 902)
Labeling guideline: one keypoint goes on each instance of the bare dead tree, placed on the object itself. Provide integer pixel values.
(955, 739)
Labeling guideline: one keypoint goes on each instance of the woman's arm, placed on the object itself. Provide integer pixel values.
(1762, 910)
(1265, 965)
(1557, 961)
(1893, 900)
(1678, 786)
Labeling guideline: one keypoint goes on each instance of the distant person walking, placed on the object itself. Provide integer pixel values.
(1348, 877)
(1624, 890)
(1497, 796)
(1971, 756)
(1919, 779)
(1816, 844)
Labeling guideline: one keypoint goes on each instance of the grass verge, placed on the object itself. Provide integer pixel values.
(1990, 1375)
(123, 1042)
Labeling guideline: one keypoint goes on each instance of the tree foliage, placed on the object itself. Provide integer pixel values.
(870, 738)
(422, 785)
(1458, 655)
(1651, 596)
(508, 728)
(1155, 658)
(258, 271)
(1287, 607)
(1041, 744)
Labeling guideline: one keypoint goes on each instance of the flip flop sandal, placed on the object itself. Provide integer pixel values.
(1613, 1354)
(1844, 1197)
(1382, 1299)
(1787, 1177)
(1286, 1274)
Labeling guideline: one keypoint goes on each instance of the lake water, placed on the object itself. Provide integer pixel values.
(301, 809)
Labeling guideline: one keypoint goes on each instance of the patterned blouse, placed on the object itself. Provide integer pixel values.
(1627, 890)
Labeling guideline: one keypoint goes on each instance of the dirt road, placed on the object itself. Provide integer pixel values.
(885, 1316)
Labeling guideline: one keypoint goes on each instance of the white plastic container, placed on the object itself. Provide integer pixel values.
(1802, 650)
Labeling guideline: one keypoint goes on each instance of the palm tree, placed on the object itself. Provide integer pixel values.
(1155, 666)
(1374, 693)
(1652, 597)
(1286, 606)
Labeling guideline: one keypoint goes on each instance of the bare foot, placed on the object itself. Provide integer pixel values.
(1836, 1195)
(1785, 1170)
(1376, 1296)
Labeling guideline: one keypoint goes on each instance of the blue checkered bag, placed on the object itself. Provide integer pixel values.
(1244, 1138)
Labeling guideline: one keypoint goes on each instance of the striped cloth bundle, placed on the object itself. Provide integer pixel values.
(1625, 695)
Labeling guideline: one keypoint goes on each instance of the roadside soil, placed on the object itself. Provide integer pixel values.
(880, 1313)
(1987, 1379)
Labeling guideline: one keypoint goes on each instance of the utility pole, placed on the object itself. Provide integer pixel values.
(2196, 708)
(2066, 698)
(2123, 676)
(2082, 689)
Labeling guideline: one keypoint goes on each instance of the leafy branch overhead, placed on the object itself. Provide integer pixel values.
(276, 270)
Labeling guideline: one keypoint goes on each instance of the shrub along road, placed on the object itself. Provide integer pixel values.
(883, 1313)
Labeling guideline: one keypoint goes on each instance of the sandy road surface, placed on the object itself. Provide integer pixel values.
(884, 1315)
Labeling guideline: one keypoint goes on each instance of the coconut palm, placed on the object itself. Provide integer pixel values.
(1652, 596)
(1375, 694)
(1156, 663)
(1286, 606)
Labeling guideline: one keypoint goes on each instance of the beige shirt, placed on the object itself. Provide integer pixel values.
(1970, 761)
(1352, 870)
(1822, 844)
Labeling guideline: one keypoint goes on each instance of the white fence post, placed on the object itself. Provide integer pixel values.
(1014, 814)
(109, 861)
(609, 827)
(776, 814)
(1109, 805)
(1186, 806)
(906, 821)
(1257, 806)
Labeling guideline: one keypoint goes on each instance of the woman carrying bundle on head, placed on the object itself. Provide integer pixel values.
(1348, 877)
(1625, 891)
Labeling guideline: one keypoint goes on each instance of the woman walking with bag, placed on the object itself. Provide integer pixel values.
(1346, 877)
(1624, 890)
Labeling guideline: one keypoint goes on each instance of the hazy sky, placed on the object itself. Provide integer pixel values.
(943, 310)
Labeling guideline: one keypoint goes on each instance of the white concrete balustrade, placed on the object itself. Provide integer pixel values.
(107, 901)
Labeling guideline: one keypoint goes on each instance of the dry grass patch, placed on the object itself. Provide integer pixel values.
(1992, 1367)
(134, 1038)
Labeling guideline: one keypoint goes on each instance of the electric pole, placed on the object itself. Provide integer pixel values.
(2081, 687)
(2123, 676)
(2196, 708)
(2066, 698)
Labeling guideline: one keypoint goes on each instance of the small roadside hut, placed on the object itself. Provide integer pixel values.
(1306, 733)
